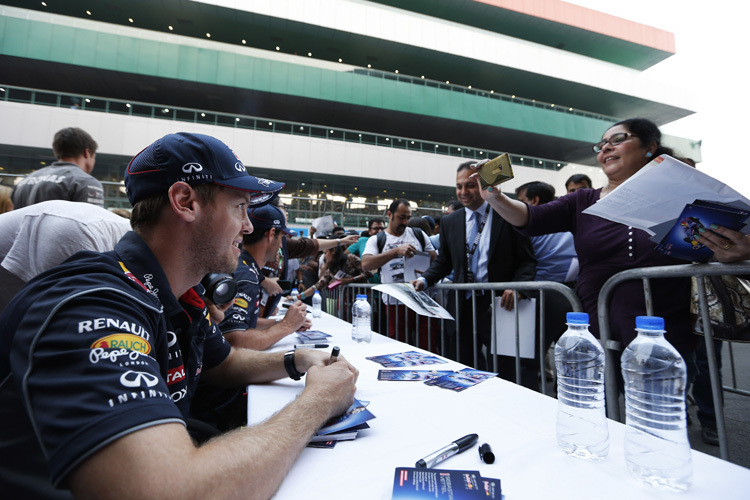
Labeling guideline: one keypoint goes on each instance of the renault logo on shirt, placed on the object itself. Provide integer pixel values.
(138, 379)
(190, 168)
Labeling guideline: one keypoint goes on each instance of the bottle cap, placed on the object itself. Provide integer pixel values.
(578, 318)
(649, 323)
(361, 296)
(317, 292)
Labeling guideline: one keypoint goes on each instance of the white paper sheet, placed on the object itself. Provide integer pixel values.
(415, 266)
(505, 324)
(419, 302)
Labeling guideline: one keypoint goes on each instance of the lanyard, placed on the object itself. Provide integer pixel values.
(470, 252)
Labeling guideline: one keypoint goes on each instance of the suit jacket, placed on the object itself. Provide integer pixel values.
(511, 255)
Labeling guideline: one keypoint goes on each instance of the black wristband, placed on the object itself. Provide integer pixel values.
(291, 370)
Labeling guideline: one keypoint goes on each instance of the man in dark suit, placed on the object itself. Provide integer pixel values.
(479, 247)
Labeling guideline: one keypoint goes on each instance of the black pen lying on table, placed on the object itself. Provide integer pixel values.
(311, 346)
(458, 446)
(334, 355)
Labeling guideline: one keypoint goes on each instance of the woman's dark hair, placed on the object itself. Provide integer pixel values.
(421, 224)
(339, 260)
(647, 132)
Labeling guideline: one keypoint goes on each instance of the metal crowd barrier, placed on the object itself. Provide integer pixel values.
(699, 271)
(339, 302)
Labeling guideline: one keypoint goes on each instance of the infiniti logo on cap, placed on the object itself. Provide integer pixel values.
(189, 168)
(239, 167)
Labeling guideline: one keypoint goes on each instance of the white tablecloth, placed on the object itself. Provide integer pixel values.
(414, 419)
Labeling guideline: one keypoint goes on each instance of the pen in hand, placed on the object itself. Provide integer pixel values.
(334, 355)
(456, 447)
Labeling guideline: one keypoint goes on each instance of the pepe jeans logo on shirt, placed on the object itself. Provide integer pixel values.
(190, 168)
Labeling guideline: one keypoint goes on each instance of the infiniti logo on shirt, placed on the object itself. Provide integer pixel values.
(137, 379)
(189, 168)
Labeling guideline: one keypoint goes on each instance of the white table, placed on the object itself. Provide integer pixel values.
(414, 419)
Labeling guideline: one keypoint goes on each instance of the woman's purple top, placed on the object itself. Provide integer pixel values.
(605, 248)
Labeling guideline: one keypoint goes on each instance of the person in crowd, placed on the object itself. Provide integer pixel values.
(338, 232)
(6, 204)
(576, 182)
(242, 325)
(435, 237)
(604, 247)
(556, 261)
(421, 224)
(479, 247)
(278, 267)
(69, 178)
(374, 226)
(430, 223)
(339, 267)
(118, 341)
(388, 251)
(452, 206)
(40, 236)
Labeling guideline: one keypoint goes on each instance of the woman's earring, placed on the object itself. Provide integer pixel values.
(649, 154)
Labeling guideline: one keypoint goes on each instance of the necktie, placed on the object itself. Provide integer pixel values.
(470, 241)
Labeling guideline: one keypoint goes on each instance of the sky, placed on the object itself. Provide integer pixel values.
(712, 61)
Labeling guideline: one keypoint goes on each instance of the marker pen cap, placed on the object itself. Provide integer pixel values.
(485, 453)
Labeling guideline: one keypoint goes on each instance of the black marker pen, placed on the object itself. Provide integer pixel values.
(334, 355)
(456, 447)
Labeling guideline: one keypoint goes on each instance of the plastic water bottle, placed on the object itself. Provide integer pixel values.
(581, 421)
(361, 324)
(316, 300)
(294, 295)
(657, 451)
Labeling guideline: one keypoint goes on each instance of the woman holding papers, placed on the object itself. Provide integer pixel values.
(604, 247)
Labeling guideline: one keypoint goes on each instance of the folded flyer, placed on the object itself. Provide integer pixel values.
(409, 358)
(460, 381)
(313, 336)
(411, 375)
(355, 417)
(414, 484)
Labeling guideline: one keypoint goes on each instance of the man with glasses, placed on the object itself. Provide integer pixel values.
(374, 226)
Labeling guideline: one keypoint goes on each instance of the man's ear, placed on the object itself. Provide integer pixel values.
(183, 201)
(534, 201)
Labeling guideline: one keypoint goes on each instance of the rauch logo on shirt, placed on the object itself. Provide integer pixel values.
(123, 341)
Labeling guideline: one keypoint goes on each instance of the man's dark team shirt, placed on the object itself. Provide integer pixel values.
(243, 313)
(93, 350)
